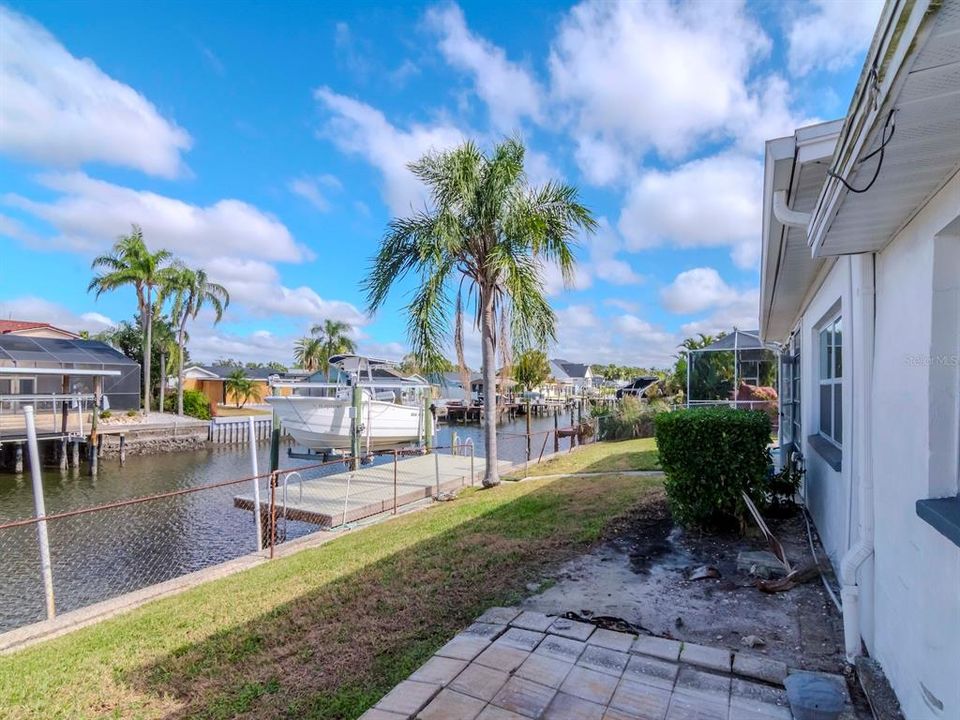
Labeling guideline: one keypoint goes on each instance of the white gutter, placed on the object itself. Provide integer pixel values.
(786, 216)
(862, 268)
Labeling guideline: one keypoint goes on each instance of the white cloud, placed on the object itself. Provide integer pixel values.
(653, 75)
(257, 286)
(603, 247)
(34, 308)
(90, 214)
(509, 90)
(360, 129)
(632, 340)
(309, 188)
(832, 36)
(696, 290)
(61, 110)
(742, 313)
(711, 202)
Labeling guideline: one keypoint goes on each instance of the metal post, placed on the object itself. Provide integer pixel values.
(394, 482)
(689, 360)
(556, 431)
(736, 368)
(473, 475)
(275, 444)
(528, 430)
(427, 423)
(46, 569)
(355, 429)
(273, 510)
(256, 489)
(436, 470)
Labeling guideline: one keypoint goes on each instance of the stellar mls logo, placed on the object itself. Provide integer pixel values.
(922, 360)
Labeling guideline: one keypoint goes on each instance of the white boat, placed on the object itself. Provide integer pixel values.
(319, 415)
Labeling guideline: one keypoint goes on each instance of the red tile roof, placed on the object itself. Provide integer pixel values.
(7, 326)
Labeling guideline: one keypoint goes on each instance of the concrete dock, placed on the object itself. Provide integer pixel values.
(349, 496)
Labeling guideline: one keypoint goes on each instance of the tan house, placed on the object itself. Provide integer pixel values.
(30, 328)
(211, 380)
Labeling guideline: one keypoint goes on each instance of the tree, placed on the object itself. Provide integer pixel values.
(240, 386)
(410, 366)
(192, 290)
(227, 362)
(711, 373)
(127, 337)
(334, 340)
(532, 369)
(308, 353)
(481, 246)
(131, 263)
(277, 366)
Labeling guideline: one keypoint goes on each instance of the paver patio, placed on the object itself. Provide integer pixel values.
(515, 666)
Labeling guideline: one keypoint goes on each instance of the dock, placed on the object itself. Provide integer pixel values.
(348, 496)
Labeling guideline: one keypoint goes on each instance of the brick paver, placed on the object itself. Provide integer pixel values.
(517, 666)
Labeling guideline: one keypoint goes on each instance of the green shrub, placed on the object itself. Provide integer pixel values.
(132, 413)
(710, 455)
(105, 414)
(195, 404)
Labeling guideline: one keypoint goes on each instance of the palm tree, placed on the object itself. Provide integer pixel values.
(192, 290)
(334, 340)
(240, 386)
(308, 353)
(130, 262)
(484, 243)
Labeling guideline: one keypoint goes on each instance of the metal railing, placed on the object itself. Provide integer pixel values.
(54, 414)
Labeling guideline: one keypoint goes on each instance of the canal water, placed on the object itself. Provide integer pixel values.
(99, 555)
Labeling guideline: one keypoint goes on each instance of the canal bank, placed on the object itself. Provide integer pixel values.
(192, 525)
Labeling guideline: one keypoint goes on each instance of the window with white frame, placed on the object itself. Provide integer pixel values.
(790, 388)
(831, 381)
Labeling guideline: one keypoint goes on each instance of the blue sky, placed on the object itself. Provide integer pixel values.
(267, 142)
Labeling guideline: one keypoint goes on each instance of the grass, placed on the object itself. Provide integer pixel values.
(326, 632)
(234, 411)
(611, 456)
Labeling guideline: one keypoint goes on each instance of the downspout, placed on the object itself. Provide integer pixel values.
(785, 216)
(863, 277)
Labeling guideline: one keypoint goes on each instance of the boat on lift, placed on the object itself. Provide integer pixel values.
(320, 415)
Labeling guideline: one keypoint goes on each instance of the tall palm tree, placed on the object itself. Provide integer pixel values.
(334, 340)
(308, 353)
(192, 290)
(483, 243)
(130, 262)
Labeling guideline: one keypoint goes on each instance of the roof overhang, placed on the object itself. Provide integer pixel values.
(68, 372)
(797, 167)
(910, 77)
(196, 372)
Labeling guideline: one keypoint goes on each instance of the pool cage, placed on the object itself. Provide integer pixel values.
(732, 371)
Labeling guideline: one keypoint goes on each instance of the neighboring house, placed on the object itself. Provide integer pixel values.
(449, 385)
(570, 378)
(24, 352)
(30, 328)
(862, 292)
(211, 380)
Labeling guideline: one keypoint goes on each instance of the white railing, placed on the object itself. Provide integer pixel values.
(54, 413)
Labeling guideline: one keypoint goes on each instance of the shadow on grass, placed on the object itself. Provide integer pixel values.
(335, 649)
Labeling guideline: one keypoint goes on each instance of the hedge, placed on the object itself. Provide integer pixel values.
(709, 455)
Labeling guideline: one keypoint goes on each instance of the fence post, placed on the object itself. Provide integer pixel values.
(256, 490)
(46, 569)
(472, 474)
(528, 430)
(436, 469)
(394, 482)
(273, 511)
(556, 433)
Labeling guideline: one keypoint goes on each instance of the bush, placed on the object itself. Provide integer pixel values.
(710, 455)
(105, 414)
(632, 418)
(195, 404)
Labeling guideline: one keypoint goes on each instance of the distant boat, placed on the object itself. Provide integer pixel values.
(318, 415)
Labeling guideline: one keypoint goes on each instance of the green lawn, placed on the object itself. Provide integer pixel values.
(326, 632)
(602, 457)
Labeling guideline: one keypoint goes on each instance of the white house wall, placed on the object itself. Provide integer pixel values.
(917, 584)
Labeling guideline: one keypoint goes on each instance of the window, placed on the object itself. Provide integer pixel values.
(790, 386)
(831, 382)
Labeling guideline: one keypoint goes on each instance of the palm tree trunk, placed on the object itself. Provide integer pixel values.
(163, 379)
(491, 475)
(180, 344)
(147, 352)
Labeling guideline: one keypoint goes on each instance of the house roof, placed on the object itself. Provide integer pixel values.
(566, 370)
(906, 103)
(23, 349)
(14, 326)
(222, 372)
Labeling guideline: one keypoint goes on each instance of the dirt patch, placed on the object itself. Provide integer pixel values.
(641, 573)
